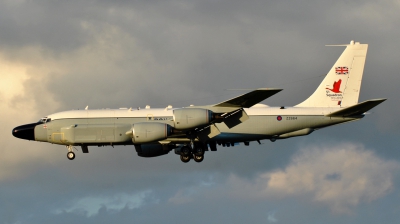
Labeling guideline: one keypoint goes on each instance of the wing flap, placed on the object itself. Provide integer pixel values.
(249, 99)
(208, 132)
(357, 109)
(235, 118)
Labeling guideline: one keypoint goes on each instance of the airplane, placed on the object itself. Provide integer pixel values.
(190, 131)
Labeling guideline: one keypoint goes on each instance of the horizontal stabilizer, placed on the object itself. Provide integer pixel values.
(357, 109)
(249, 99)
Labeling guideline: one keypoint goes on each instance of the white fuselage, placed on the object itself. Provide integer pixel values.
(109, 126)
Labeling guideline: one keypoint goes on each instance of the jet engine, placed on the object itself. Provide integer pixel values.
(149, 132)
(152, 150)
(188, 118)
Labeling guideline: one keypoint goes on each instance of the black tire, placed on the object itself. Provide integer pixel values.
(185, 159)
(199, 151)
(71, 155)
(198, 158)
(185, 151)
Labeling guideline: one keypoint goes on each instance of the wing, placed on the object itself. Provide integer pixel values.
(249, 99)
(231, 111)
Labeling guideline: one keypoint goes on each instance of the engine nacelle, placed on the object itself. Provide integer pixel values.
(188, 118)
(151, 150)
(149, 132)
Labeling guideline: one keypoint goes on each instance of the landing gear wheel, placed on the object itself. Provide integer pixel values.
(185, 151)
(198, 158)
(71, 155)
(199, 151)
(185, 159)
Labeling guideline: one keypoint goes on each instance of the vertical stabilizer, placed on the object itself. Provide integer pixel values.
(341, 86)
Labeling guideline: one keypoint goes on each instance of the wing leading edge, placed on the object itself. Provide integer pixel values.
(249, 99)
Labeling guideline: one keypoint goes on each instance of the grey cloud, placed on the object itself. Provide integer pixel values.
(46, 23)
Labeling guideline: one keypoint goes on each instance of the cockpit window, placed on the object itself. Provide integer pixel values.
(44, 120)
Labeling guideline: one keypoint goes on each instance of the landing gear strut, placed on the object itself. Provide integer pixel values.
(192, 150)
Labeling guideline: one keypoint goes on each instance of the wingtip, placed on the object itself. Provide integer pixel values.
(380, 99)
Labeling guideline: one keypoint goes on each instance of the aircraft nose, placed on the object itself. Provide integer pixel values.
(26, 131)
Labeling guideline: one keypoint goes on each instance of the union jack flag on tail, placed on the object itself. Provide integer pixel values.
(342, 70)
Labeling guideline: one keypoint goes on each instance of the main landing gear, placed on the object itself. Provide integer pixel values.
(196, 153)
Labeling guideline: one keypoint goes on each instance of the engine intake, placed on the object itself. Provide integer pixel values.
(188, 118)
(149, 132)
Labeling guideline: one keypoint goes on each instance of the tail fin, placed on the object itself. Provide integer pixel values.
(341, 87)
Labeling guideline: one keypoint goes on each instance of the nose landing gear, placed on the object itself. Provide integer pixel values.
(70, 154)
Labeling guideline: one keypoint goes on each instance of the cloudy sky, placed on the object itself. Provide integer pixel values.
(61, 55)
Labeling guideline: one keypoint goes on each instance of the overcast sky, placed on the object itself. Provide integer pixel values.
(62, 55)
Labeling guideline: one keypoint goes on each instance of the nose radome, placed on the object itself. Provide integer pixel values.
(26, 131)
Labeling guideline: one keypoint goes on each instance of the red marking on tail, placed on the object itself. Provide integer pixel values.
(342, 70)
(336, 86)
